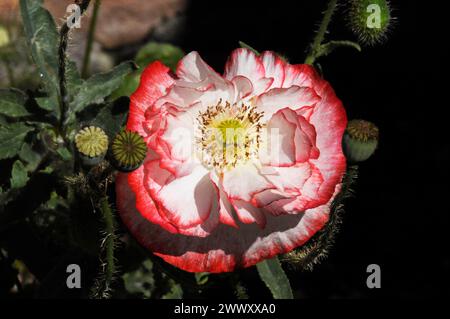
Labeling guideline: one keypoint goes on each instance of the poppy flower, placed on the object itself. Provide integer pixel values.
(240, 167)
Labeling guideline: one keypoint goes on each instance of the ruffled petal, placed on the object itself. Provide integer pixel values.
(246, 63)
(155, 81)
(226, 248)
(274, 68)
(188, 201)
(249, 214)
(243, 181)
(294, 97)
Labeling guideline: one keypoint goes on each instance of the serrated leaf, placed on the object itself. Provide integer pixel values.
(12, 137)
(99, 86)
(19, 175)
(12, 103)
(42, 38)
(275, 279)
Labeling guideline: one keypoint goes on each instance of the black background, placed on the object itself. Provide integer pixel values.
(399, 218)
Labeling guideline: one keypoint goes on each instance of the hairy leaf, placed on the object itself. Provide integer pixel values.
(12, 137)
(31, 157)
(12, 103)
(42, 38)
(99, 86)
(19, 175)
(111, 117)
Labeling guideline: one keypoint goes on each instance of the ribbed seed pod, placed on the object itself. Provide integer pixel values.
(92, 144)
(128, 151)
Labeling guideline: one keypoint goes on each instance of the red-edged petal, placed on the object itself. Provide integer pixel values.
(330, 121)
(144, 202)
(274, 68)
(294, 97)
(226, 248)
(155, 81)
(246, 63)
(189, 200)
(249, 214)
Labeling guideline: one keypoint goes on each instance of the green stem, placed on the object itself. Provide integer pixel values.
(63, 96)
(109, 240)
(315, 46)
(87, 52)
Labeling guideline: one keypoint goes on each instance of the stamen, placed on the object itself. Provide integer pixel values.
(229, 135)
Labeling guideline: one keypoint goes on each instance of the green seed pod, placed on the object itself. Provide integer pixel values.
(92, 144)
(369, 20)
(128, 151)
(360, 140)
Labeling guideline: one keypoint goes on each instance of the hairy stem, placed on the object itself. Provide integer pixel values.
(90, 40)
(63, 41)
(318, 39)
(109, 243)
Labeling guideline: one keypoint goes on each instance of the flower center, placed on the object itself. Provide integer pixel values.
(229, 135)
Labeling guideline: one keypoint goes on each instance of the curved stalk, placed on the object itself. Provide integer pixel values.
(318, 39)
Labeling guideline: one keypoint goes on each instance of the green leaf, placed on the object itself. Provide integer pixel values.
(153, 51)
(176, 292)
(275, 279)
(112, 116)
(201, 278)
(31, 157)
(164, 52)
(140, 282)
(19, 175)
(12, 137)
(48, 103)
(246, 46)
(99, 86)
(64, 153)
(43, 40)
(12, 103)
(329, 47)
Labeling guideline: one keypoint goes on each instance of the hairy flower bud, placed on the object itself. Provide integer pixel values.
(369, 20)
(360, 140)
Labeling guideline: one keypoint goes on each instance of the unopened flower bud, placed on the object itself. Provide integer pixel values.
(369, 20)
(360, 140)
